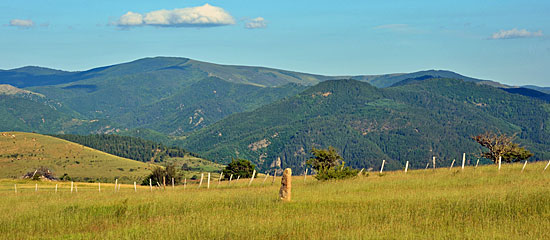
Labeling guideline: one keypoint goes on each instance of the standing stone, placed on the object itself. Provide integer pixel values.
(286, 185)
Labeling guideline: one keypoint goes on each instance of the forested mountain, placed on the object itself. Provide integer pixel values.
(22, 110)
(170, 96)
(414, 121)
(265, 115)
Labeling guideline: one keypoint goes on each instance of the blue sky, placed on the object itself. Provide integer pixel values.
(506, 41)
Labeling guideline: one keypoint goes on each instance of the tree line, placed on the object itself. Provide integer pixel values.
(128, 147)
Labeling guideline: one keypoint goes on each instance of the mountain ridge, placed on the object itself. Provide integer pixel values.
(435, 117)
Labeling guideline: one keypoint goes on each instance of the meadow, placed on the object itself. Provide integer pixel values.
(480, 203)
(22, 152)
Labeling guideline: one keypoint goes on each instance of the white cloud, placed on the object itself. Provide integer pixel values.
(130, 19)
(515, 33)
(258, 22)
(201, 16)
(22, 23)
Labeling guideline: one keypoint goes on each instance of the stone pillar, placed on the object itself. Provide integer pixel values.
(286, 185)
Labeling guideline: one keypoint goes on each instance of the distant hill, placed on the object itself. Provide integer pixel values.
(22, 110)
(540, 89)
(24, 152)
(388, 80)
(413, 122)
(170, 67)
(169, 95)
(529, 93)
(162, 98)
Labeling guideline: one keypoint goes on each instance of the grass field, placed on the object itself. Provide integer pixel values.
(24, 152)
(478, 203)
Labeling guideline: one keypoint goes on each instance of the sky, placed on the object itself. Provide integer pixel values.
(506, 41)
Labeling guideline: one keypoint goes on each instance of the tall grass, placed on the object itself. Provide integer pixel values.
(422, 204)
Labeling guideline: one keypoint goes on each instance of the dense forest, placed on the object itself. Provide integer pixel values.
(412, 122)
(128, 147)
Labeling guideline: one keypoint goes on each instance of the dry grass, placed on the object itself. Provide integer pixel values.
(423, 204)
(24, 152)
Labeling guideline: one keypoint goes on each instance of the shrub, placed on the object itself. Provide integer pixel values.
(325, 162)
(158, 174)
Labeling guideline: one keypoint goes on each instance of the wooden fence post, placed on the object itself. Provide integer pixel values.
(406, 166)
(238, 177)
(266, 176)
(172, 183)
(427, 165)
(208, 185)
(15, 187)
(433, 163)
(116, 183)
(499, 162)
(36, 187)
(99, 186)
(164, 182)
(200, 183)
(477, 163)
(453, 163)
(135, 187)
(220, 179)
(252, 178)
(184, 183)
(230, 177)
(525, 164)
(546, 166)
(382, 167)
(55, 188)
(463, 160)
(305, 175)
(151, 184)
(72, 183)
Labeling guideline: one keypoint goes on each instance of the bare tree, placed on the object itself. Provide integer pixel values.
(501, 145)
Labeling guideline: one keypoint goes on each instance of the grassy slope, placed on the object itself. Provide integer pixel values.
(423, 204)
(35, 150)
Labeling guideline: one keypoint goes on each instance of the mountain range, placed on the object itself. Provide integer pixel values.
(273, 117)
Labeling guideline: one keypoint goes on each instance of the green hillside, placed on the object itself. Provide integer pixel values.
(413, 122)
(24, 152)
(146, 151)
(21, 110)
(202, 104)
(168, 95)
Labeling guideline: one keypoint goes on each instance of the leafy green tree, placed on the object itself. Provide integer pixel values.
(327, 164)
(324, 159)
(501, 145)
(239, 167)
